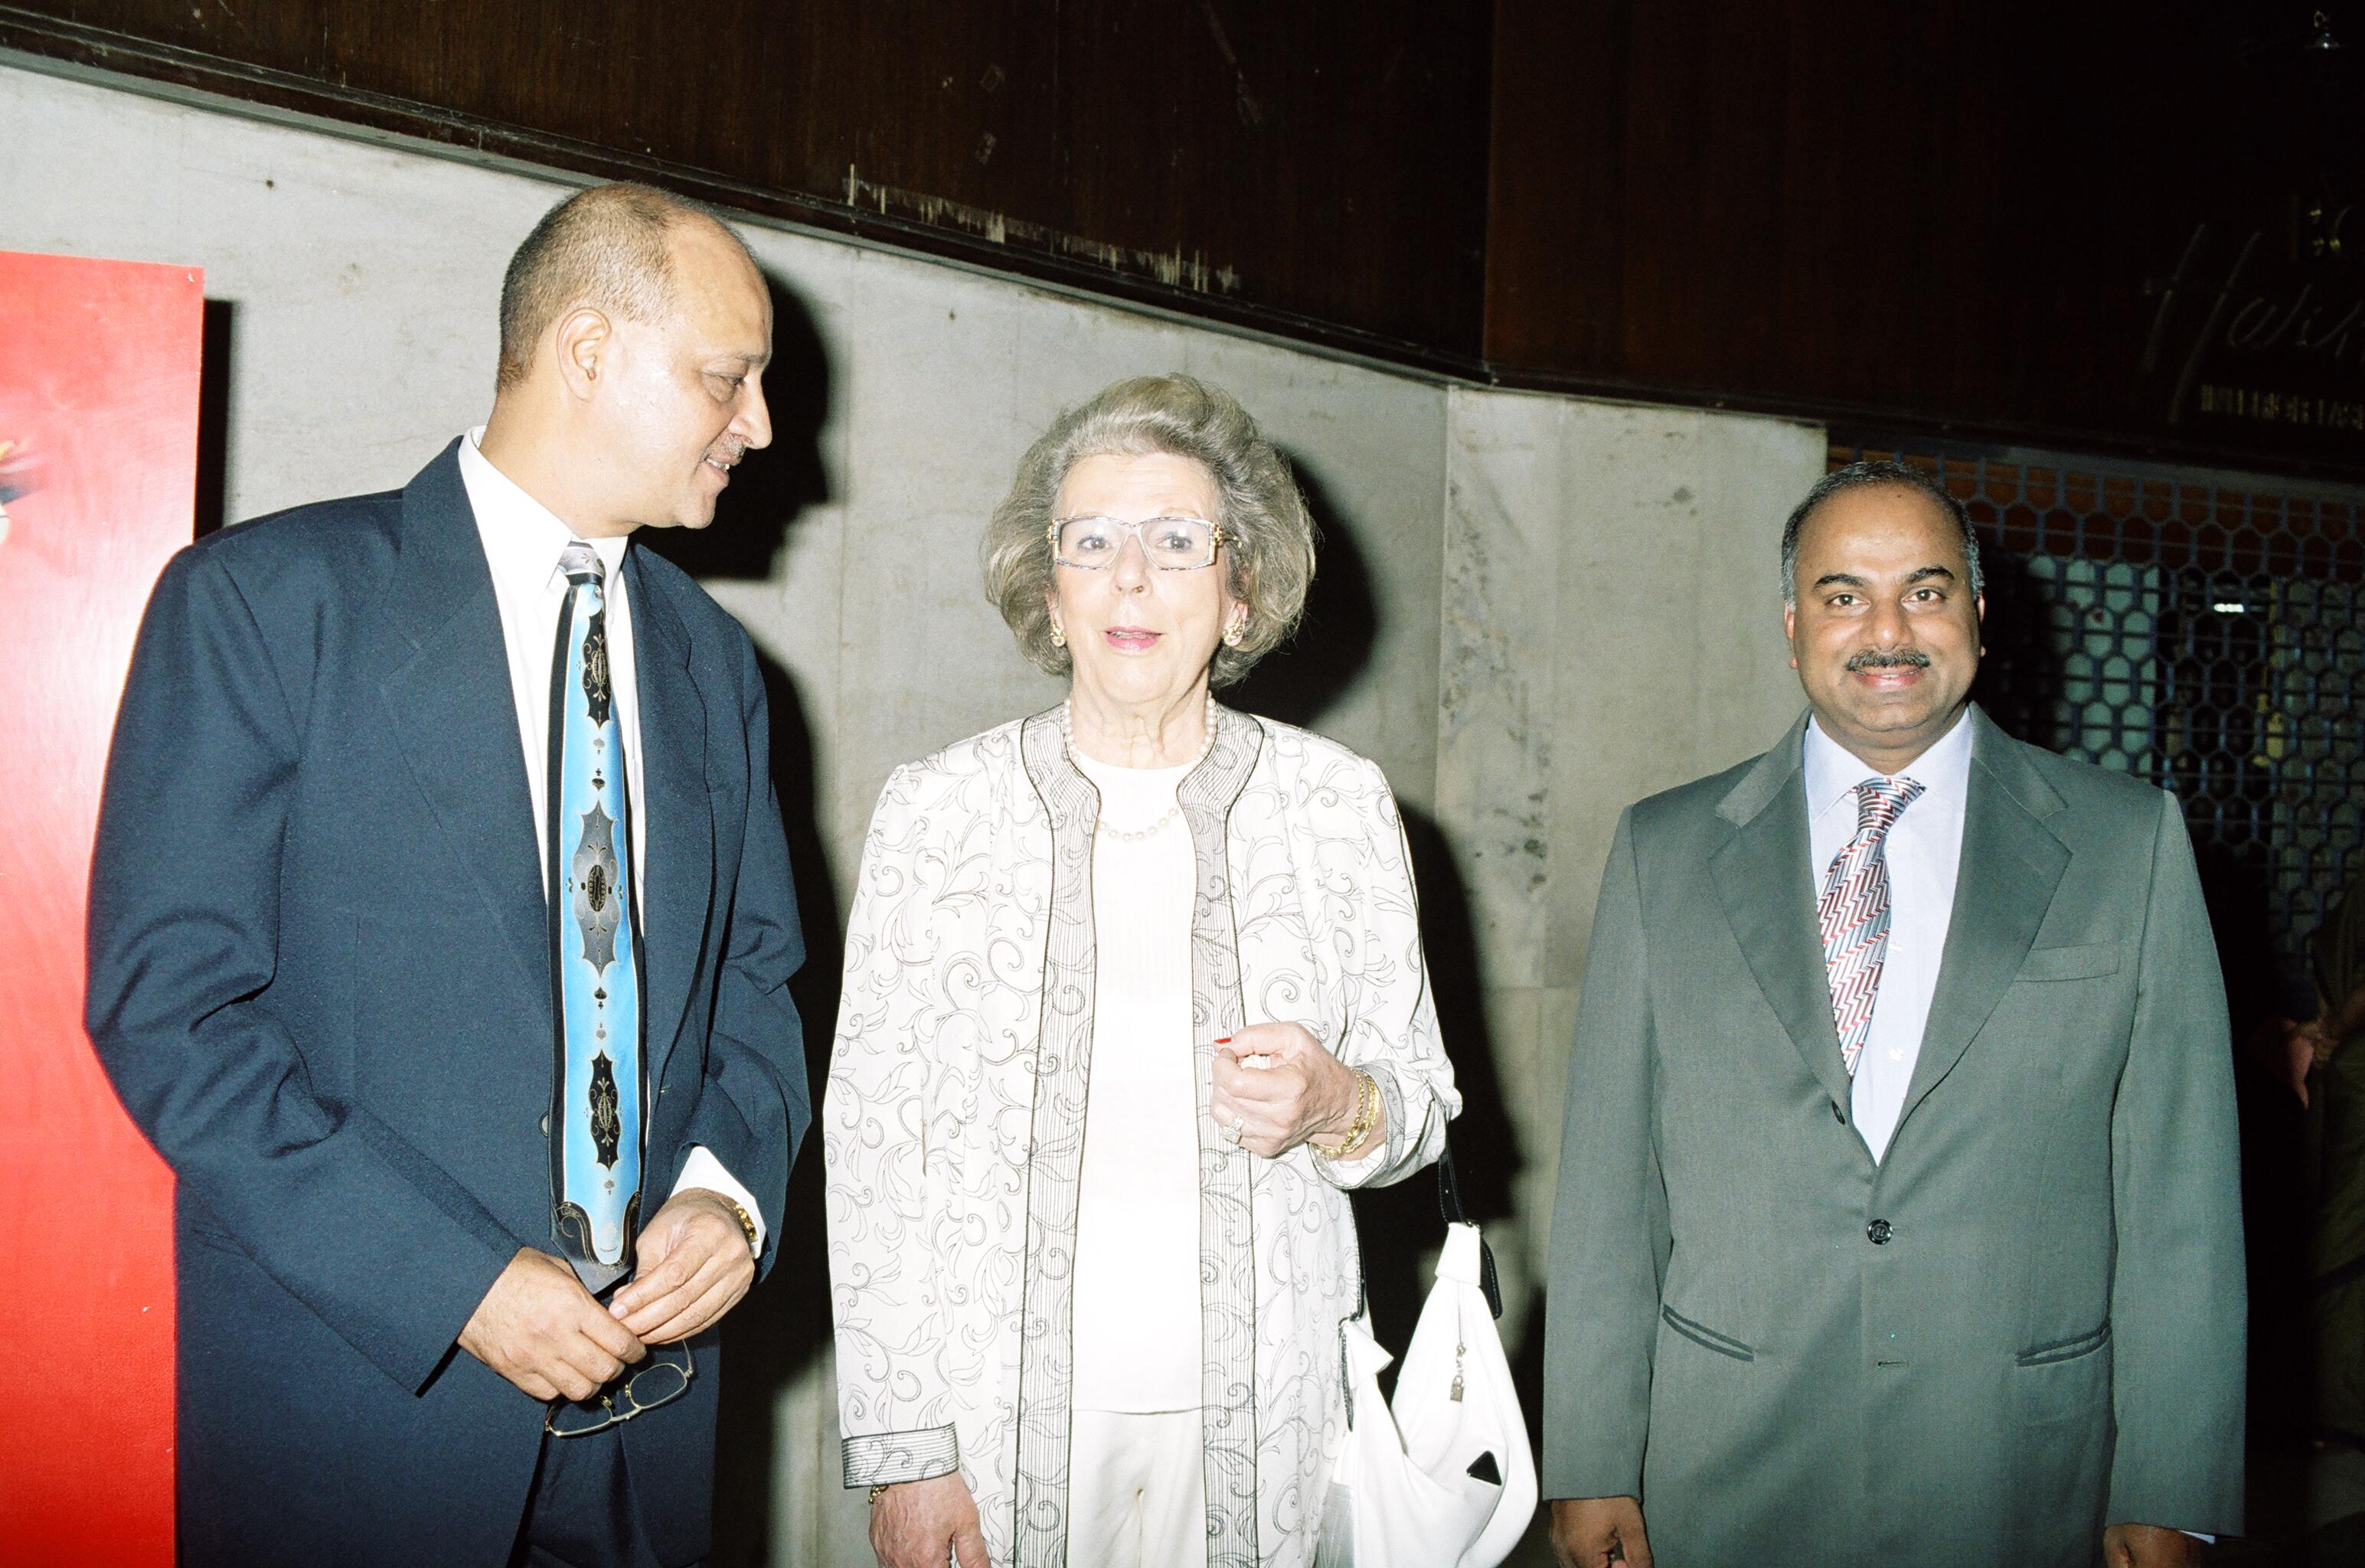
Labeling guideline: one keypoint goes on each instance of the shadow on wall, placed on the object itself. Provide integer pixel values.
(784, 1325)
(1400, 1227)
(1299, 682)
(772, 489)
(219, 344)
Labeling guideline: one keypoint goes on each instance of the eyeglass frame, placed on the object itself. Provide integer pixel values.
(623, 1389)
(1216, 539)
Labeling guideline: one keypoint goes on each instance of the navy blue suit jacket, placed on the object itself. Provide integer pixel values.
(319, 980)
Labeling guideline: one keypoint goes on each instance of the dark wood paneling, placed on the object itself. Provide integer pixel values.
(1556, 183)
(1312, 166)
(1945, 215)
(1949, 216)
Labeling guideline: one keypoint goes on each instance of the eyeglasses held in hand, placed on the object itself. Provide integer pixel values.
(1173, 544)
(663, 1378)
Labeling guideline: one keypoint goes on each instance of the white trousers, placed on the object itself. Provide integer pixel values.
(1137, 1490)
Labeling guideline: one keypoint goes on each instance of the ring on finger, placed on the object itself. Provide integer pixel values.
(1230, 1132)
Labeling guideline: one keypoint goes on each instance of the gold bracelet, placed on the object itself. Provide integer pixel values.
(877, 1493)
(747, 1224)
(1367, 1111)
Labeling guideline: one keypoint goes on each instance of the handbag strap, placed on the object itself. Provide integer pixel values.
(1449, 1204)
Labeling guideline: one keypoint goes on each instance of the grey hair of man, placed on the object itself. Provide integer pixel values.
(1267, 552)
(1856, 475)
(609, 247)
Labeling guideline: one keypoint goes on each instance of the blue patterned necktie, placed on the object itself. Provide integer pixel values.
(596, 1090)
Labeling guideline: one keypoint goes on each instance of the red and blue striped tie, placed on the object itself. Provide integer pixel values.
(1854, 911)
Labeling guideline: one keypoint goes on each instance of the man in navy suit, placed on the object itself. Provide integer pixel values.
(325, 923)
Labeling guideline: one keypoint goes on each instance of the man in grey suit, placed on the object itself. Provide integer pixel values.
(1896, 1219)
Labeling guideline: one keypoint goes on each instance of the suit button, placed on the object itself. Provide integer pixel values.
(545, 1124)
(1878, 1233)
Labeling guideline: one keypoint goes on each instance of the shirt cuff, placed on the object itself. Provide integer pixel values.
(700, 1169)
(887, 1459)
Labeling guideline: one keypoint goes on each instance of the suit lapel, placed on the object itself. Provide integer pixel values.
(1767, 888)
(444, 679)
(2010, 863)
(678, 827)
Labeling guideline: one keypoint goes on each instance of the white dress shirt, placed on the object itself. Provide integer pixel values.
(1924, 849)
(522, 541)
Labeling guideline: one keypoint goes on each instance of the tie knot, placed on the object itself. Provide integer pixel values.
(582, 564)
(1880, 801)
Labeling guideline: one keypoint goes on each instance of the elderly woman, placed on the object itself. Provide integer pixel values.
(1134, 997)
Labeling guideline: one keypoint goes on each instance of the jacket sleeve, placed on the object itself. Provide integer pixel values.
(184, 940)
(1610, 1240)
(2178, 1293)
(1390, 1029)
(893, 1328)
(755, 1105)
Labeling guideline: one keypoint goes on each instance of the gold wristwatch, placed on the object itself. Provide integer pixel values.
(746, 1224)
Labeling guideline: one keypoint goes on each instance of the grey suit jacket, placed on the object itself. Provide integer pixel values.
(2024, 1323)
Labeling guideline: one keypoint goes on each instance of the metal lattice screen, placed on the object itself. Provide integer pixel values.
(2205, 637)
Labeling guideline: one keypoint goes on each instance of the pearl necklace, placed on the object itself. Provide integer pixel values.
(1137, 834)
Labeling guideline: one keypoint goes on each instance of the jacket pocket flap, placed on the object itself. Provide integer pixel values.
(2066, 1349)
(2070, 963)
(1700, 1334)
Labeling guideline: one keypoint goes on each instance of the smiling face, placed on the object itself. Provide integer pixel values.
(1140, 638)
(683, 399)
(1885, 630)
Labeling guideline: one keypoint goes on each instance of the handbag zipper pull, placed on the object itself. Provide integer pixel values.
(1459, 1350)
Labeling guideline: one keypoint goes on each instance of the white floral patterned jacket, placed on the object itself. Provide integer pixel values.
(954, 1118)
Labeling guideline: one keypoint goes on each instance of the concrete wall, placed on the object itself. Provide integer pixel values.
(1530, 610)
(1613, 628)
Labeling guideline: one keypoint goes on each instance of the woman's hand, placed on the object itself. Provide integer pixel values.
(919, 1524)
(1300, 1093)
(2321, 1042)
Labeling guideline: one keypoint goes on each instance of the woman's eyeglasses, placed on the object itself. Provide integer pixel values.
(1175, 543)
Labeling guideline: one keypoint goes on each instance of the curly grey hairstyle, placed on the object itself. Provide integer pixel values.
(1268, 550)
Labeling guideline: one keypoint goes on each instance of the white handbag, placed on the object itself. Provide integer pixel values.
(1444, 1479)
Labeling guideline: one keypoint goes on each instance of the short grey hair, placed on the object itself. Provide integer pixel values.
(1268, 550)
(609, 247)
(1880, 471)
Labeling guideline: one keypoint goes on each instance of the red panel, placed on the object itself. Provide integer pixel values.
(99, 397)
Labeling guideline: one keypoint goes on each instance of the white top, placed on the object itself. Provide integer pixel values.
(1137, 1290)
(522, 540)
(1924, 849)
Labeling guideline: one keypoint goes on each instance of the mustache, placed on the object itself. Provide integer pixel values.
(1901, 658)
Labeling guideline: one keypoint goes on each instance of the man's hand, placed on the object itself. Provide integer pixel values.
(1282, 1089)
(2149, 1545)
(693, 1266)
(1588, 1532)
(541, 1329)
(916, 1523)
